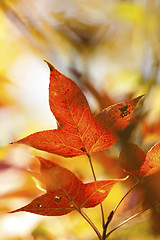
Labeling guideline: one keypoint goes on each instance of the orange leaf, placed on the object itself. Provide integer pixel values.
(134, 160)
(131, 158)
(114, 119)
(96, 192)
(48, 204)
(152, 161)
(79, 132)
(65, 192)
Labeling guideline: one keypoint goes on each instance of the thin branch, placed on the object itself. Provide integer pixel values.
(91, 223)
(106, 225)
(94, 176)
(102, 212)
(115, 209)
(124, 222)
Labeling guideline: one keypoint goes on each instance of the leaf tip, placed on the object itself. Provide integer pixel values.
(136, 100)
(49, 65)
(125, 178)
(14, 211)
(122, 179)
(18, 141)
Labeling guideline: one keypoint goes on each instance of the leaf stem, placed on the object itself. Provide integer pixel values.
(124, 222)
(91, 223)
(92, 168)
(94, 176)
(115, 209)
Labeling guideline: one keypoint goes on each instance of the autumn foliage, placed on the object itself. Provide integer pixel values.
(65, 192)
(140, 163)
(79, 132)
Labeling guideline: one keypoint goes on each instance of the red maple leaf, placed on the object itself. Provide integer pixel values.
(79, 132)
(65, 192)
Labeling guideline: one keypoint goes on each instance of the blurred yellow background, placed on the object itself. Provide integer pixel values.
(111, 50)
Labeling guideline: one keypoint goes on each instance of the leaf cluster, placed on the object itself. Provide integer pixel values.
(79, 132)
